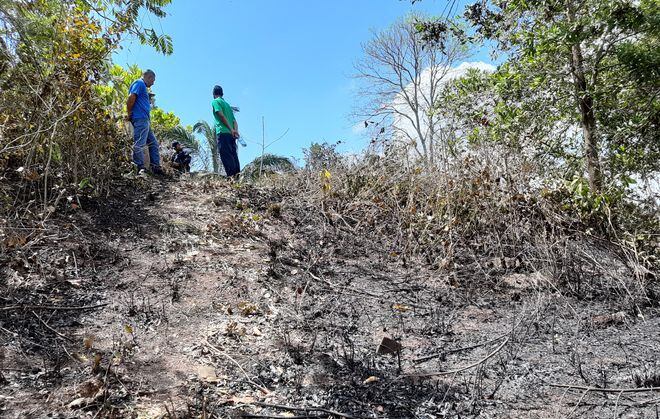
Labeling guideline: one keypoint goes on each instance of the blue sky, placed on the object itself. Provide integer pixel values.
(290, 61)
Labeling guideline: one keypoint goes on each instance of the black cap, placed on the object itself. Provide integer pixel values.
(175, 143)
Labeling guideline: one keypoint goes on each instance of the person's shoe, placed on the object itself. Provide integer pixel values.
(142, 173)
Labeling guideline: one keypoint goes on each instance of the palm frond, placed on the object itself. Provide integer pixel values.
(205, 129)
(208, 132)
(185, 137)
(268, 164)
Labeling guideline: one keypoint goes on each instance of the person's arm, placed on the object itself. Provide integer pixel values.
(235, 131)
(222, 118)
(218, 111)
(129, 105)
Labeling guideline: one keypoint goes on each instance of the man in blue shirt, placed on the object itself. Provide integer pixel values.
(138, 108)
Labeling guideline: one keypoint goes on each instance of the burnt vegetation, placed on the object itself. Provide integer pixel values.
(498, 264)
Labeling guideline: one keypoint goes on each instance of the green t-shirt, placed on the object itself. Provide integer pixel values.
(219, 104)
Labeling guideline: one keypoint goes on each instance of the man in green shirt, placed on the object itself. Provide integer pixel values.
(226, 130)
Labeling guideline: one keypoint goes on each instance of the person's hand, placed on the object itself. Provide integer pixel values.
(235, 134)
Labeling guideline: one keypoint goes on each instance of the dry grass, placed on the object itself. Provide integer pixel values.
(479, 223)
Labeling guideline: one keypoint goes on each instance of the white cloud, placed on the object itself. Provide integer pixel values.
(358, 129)
(401, 121)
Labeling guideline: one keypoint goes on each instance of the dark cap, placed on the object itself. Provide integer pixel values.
(175, 143)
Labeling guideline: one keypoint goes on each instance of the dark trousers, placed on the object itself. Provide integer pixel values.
(228, 154)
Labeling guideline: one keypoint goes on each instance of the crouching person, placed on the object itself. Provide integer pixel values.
(181, 158)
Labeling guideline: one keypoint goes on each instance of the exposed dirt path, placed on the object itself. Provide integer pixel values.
(223, 300)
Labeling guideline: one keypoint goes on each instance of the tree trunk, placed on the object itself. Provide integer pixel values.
(585, 104)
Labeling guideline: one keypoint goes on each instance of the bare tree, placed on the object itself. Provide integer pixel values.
(402, 77)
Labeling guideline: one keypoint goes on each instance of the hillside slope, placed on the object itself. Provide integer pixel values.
(200, 298)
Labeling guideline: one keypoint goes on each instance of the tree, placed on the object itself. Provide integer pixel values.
(208, 132)
(121, 17)
(163, 122)
(402, 77)
(57, 124)
(570, 56)
(322, 156)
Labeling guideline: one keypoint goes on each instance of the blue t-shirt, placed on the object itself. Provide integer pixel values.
(142, 106)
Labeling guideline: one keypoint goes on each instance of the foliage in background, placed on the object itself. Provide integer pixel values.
(570, 64)
(207, 131)
(58, 133)
(320, 156)
(543, 154)
(183, 135)
(402, 79)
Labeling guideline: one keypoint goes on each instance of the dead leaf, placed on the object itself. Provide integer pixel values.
(371, 379)
(235, 330)
(402, 308)
(97, 363)
(190, 256)
(524, 281)
(128, 328)
(80, 357)
(207, 374)
(80, 402)
(388, 346)
(15, 241)
(31, 175)
(90, 387)
(247, 308)
(76, 283)
(88, 342)
(224, 308)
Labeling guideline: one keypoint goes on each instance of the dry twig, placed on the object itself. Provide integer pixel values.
(307, 409)
(467, 367)
(451, 351)
(605, 390)
(30, 307)
(261, 387)
(51, 329)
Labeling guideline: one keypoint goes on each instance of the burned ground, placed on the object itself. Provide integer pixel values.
(200, 298)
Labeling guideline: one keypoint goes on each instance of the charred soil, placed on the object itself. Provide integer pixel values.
(203, 298)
